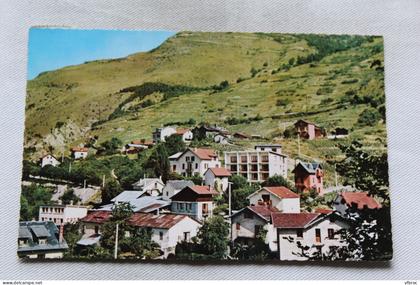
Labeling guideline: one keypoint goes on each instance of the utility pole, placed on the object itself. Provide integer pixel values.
(84, 184)
(298, 139)
(103, 181)
(62, 157)
(335, 175)
(230, 211)
(116, 242)
(70, 167)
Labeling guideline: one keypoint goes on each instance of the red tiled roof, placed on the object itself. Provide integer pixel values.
(181, 131)
(292, 220)
(204, 153)
(163, 221)
(97, 217)
(202, 190)
(361, 199)
(323, 211)
(220, 171)
(143, 142)
(263, 210)
(79, 149)
(281, 192)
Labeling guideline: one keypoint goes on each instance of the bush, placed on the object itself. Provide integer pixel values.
(282, 102)
(369, 117)
(350, 81)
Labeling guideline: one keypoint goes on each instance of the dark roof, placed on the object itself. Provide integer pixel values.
(162, 221)
(263, 211)
(32, 231)
(281, 191)
(309, 167)
(97, 217)
(360, 199)
(293, 220)
(178, 184)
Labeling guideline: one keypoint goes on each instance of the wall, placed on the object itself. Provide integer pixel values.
(247, 228)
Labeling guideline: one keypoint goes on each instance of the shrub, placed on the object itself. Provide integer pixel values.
(350, 81)
(282, 102)
(369, 117)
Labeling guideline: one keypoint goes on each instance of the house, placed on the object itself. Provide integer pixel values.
(319, 232)
(194, 161)
(221, 139)
(49, 160)
(140, 202)
(186, 134)
(152, 186)
(309, 176)
(339, 133)
(242, 136)
(308, 130)
(167, 229)
(217, 178)
(40, 240)
(172, 187)
(62, 214)
(207, 131)
(247, 222)
(161, 133)
(349, 203)
(280, 197)
(137, 146)
(268, 147)
(195, 201)
(257, 165)
(79, 152)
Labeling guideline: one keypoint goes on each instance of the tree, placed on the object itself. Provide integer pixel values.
(253, 72)
(111, 146)
(369, 117)
(158, 162)
(240, 191)
(277, 180)
(69, 197)
(112, 188)
(258, 250)
(32, 197)
(292, 61)
(174, 144)
(140, 243)
(213, 237)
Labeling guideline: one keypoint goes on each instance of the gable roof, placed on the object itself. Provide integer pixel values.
(203, 190)
(127, 196)
(309, 167)
(145, 182)
(97, 216)
(32, 230)
(48, 154)
(182, 131)
(142, 142)
(162, 221)
(178, 184)
(79, 149)
(204, 153)
(219, 171)
(175, 156)
(305, 121)
(281, 192)
(263, 211)
(361, 199)
(293, 220)
(140, 204)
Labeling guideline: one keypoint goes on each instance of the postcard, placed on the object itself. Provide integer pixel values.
(160, 145)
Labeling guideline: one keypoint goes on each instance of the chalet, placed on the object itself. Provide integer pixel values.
(79, 152)
(185, 134)
(161, 133)
(257, 165)
(217, 178)
(308, 130)
(40, 240)
(152, 186)
(319, 232)
(167, 229)
(280, 197)
(350, 203)
(195, 201)
(49, 160)
(194, 161)
(172, 187)
(207, 131)
(309, 176)
(247, 222)
(62, 214)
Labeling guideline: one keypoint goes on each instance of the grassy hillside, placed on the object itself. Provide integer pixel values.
(273, 80)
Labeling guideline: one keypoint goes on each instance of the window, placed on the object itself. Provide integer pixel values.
(192, 158)
(155, 184)
(238, 226)
(187, 158)
(183, 166)
(331, 233)
(206, 165)
(173, 167)
(96, 229)
(186, 236)
(299, 233)
(318, 235)
(161, 235)
(266, 197)
(196, 166)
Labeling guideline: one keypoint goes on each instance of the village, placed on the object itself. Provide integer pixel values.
(276, 216)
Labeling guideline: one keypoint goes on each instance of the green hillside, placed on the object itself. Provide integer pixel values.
(273, 80)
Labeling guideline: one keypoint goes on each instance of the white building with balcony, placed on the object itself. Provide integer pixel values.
(62, 214)
(259, 164)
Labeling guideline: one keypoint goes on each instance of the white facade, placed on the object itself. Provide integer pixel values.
(286, 247)
(189, 164)
(255, 165)
(61, 215)
(285, 205)
(161, 133)
(152, 186)
(167, 239)
(80, 154)
(49, 160)
(216, 182)
(244, 225)
(187, 136)
(173, 187)
(221, 139)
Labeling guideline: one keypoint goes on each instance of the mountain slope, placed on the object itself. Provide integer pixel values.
(273, 79)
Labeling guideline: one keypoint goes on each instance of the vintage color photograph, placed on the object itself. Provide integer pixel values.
(159, 145)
